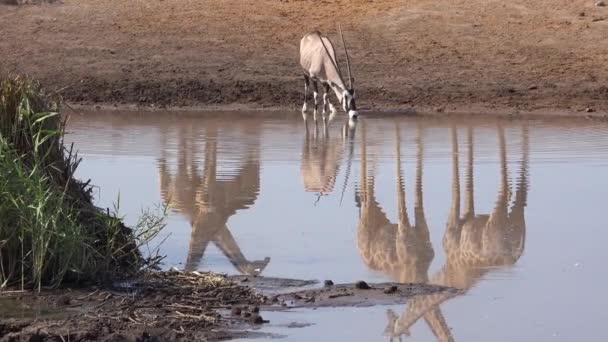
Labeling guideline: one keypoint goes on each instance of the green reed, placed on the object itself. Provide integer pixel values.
(50, 230)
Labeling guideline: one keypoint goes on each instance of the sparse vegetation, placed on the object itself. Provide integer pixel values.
(50, 230)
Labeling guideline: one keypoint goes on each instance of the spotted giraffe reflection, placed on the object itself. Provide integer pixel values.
(209, 202)
(474, 244)
(400, 249)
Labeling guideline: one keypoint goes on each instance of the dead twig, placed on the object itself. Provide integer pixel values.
(102, 316)
(87, 296)
(340, 295)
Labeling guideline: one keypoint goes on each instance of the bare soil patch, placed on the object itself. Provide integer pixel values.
(443, 54)
(26, 2)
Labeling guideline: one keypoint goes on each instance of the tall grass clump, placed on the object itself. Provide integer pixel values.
(50, 230)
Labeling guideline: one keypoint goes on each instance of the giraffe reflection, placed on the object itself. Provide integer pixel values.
(209, 201)
(402, 250)
(473, 243)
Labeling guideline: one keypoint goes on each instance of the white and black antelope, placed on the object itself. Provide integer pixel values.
(318, 59)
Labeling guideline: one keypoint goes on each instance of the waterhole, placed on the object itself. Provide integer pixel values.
(510, 212)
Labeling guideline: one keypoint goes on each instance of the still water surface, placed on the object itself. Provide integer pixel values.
(511, 212)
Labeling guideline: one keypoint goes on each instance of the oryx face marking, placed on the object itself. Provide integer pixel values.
(348, 103)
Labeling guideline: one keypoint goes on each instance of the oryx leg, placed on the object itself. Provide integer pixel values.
(325, 98)
(306, 84)
(332, 109)
(315, 95)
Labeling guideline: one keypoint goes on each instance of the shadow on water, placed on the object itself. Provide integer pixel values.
(473, 243)
(209, 201)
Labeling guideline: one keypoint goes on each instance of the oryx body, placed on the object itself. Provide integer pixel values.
(318, 59)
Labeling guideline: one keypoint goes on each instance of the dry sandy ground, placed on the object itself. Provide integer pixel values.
(452, 55)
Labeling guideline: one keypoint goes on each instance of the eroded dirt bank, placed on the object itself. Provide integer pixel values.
(441, 54)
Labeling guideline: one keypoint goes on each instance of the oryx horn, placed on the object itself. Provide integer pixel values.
(350, 78)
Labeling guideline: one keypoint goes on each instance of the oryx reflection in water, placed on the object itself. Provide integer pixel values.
(208, 200)
(474, 243)
(322, 155)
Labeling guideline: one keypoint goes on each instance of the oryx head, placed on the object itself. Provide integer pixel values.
(348, 102)
(348, 95)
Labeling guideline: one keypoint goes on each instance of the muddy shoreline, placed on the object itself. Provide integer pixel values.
(180, 95)
(179, 306)
(159, 306)
(468, 111)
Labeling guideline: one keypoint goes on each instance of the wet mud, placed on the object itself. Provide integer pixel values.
(179, 306)
(355, 295)
(168, 306)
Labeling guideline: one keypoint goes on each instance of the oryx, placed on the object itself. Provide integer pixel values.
(318, 59)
